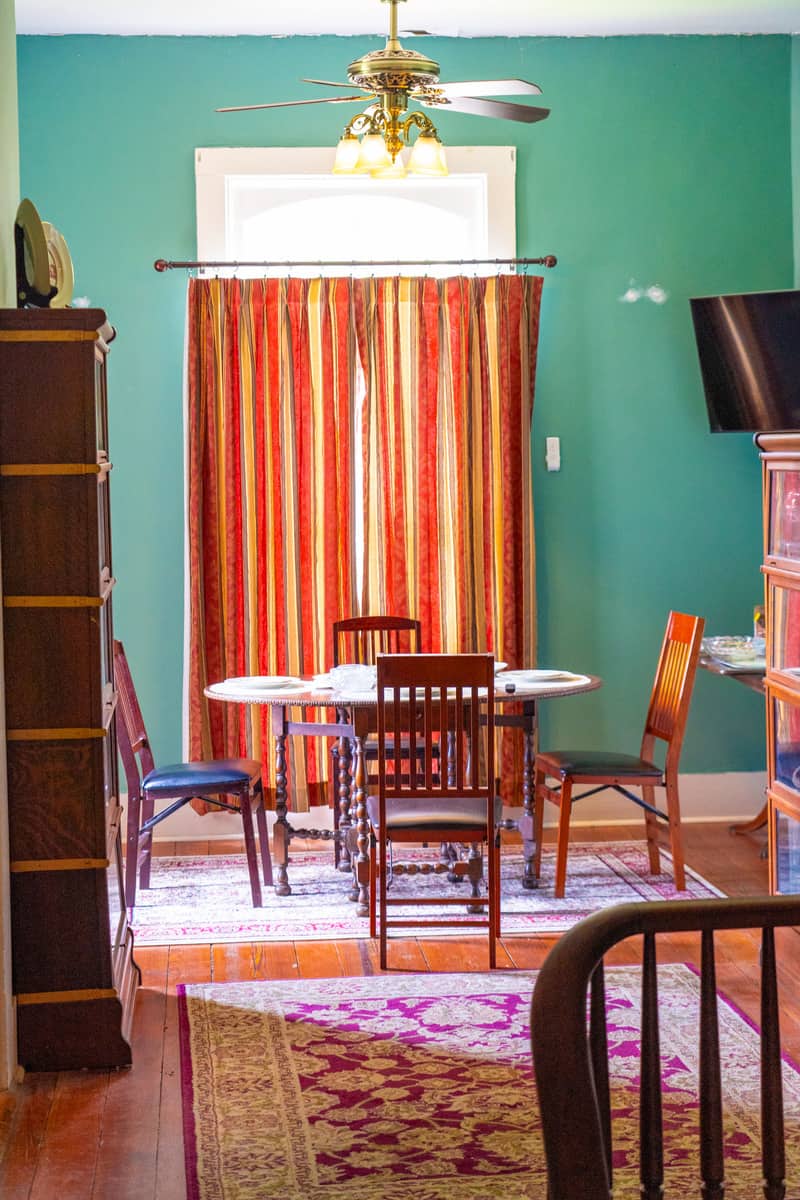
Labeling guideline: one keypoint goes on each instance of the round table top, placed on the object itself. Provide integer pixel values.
(309, 695)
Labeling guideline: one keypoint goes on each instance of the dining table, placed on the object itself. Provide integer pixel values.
(292, 702)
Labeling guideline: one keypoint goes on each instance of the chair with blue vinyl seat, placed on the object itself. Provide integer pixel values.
(180, 782)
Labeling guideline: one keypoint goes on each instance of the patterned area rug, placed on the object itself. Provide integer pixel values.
(208, 899)
(420, 1087)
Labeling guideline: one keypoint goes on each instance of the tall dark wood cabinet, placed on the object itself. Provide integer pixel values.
(74, 977)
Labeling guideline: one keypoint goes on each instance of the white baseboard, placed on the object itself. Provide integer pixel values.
(733, 796)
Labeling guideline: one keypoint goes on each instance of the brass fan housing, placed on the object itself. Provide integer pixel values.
(393, 69)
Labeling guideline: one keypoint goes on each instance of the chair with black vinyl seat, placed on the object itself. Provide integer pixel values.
(666, 721)
(361, 640)
(180, 782)
(433, 700)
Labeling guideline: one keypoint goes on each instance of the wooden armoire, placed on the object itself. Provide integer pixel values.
(74, 977)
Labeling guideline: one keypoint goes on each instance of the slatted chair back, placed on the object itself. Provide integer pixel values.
(362, 639)
(672, 689)
(453, 698)
(571, 1058)
(134, 746)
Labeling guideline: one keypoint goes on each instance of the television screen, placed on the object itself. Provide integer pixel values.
(749, 349)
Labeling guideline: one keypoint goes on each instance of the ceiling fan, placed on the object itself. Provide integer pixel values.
(392, 77)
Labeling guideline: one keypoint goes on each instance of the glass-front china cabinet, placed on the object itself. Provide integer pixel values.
(780, 456)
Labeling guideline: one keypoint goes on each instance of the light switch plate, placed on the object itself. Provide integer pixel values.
(552, 454)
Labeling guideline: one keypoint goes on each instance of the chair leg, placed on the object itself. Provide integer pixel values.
(651, 830)
(675, 833)
(565, 804)
(493, 855)
(132, 849)
(539, 778)
(250, 846)
(263, 832)
(382, 930)
(373, 890)
(146, 852)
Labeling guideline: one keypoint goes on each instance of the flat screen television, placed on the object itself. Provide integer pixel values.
(749, 349)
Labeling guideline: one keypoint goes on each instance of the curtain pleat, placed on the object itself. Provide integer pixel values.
(270, 428)
(448, 511)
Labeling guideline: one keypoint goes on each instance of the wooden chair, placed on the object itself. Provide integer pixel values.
(180, 782)
(361, 640)
(571, 1060)
(435, 699)
(666, 720)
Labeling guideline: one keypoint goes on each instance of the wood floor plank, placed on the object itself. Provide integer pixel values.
(131, 1120)
(318, 960)
(26, 1131)
(170, 1166)
(68, 1156)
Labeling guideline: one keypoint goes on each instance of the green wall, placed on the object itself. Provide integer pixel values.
(9, 150)
(795, 133)
(665, 160)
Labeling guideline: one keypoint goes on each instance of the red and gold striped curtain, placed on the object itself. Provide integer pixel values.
(448, 535)
(271, 371)
(448, 525)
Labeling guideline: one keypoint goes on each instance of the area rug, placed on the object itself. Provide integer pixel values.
(420, 1087)
(195, 900)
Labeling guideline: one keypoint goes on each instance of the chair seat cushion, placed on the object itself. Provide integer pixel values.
(598, 762)
(211, 776)
(432, 814)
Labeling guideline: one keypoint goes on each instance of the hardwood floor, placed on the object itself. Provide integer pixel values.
(96, 1135)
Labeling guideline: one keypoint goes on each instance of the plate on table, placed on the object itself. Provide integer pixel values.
(542, 678)
(264, 683)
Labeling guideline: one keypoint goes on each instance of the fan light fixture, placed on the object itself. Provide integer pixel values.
(372, 143)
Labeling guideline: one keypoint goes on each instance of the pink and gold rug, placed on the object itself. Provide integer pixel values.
(208, 899)
(420, 1087)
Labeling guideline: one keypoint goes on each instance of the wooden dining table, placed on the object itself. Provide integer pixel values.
(357, 720)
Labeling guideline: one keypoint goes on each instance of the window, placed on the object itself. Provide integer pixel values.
(278, 204)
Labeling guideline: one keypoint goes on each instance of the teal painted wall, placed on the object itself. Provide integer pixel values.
(795, 133)
(9, 150)
(665, 160)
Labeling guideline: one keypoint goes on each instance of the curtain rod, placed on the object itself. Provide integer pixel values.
(549, 260)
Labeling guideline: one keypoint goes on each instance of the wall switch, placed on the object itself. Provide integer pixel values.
(552, 454)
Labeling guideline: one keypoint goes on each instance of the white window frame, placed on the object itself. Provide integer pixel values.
(215, 165)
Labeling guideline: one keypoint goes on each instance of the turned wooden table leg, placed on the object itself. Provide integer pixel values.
(281, 834)
(345, 787)
(361, 864)
(528, 796)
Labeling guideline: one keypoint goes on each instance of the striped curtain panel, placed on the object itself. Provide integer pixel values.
(448, 510)
(448, 524)
(271, 401)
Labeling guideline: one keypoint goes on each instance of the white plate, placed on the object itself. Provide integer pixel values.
(536, 675)
(263, 683)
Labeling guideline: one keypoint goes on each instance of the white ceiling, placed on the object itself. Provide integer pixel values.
(448, 18)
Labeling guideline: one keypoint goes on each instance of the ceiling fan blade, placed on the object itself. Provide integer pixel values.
(330, 83)
(292, 103)
(491, 108)
(491, 87)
